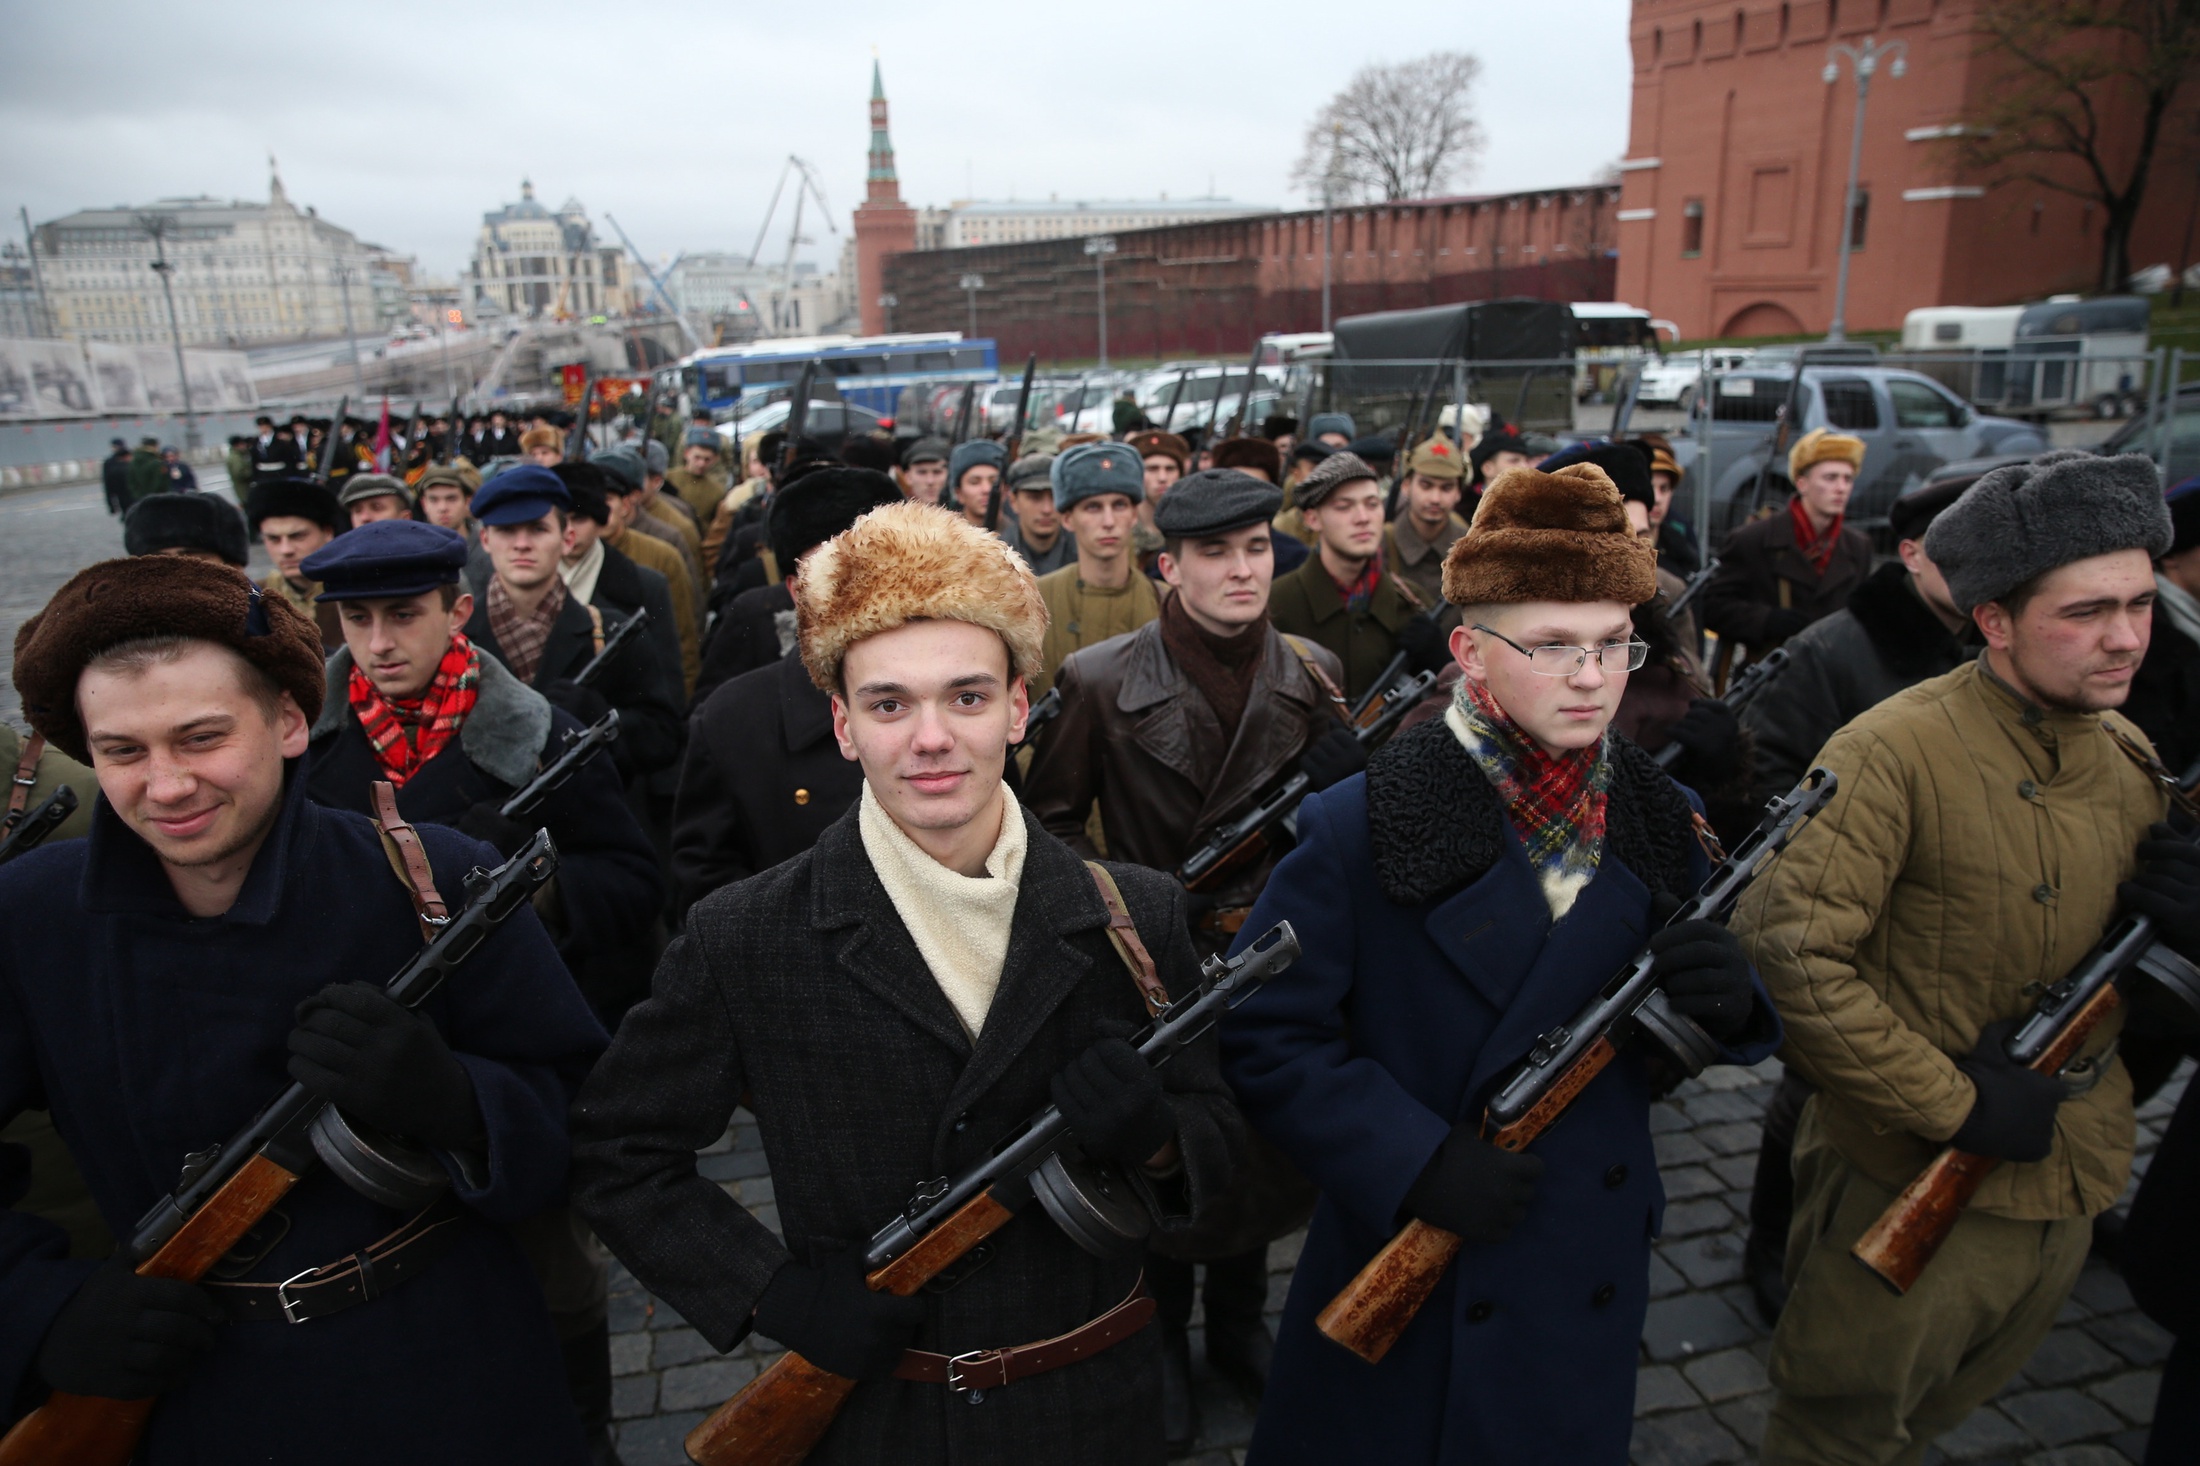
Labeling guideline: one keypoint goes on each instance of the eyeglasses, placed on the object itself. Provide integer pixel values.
(1564, 661)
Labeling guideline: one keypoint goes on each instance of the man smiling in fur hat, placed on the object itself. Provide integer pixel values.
(1471, 890)
(890, 1004)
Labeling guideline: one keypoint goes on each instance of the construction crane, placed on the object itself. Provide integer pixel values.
(806, 186)
(679, 316)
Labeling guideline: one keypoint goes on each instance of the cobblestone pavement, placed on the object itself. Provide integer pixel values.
(1700, 1396)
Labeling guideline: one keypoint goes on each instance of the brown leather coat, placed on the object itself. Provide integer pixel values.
(1761, 570)
(1136, 738)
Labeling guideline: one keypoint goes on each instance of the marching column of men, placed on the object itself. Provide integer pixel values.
(906, 918)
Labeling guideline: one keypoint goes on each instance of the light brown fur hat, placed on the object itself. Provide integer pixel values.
(913, 562)
(1550, 537)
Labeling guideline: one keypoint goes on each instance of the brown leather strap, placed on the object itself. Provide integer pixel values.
(347, 1282)
(990, 1369)
(2153, 768)
(1305, 654)
(26, 774)
(401, 842)
(1123, 932)
(595, 622)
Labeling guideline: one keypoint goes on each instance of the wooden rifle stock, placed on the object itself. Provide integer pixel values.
(1372, 1310)
(1911, 1230)
(91, 1430)
(779, 1417)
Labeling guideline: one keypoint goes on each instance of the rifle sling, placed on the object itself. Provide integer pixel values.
(1123, 935)
(409, 859)
(26, 774)
(361, 1277)
(1322, 679)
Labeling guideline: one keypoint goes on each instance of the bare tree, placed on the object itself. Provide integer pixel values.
(1395, 132)
(2075, 71)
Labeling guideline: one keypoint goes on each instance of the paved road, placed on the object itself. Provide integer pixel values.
(1700, 1393)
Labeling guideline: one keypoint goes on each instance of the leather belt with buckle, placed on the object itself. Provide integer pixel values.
(989, 1369)
(347, 1282)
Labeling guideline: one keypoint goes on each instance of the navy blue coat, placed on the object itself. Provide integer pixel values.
(1430, 965)
(150, 1034)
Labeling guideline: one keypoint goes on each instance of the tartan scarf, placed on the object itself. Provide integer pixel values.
(1556, 803)
(1817, 548)
(406, 732)
(1362, 590)
(522, 637)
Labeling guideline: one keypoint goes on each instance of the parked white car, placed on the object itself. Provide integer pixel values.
(1676, 380)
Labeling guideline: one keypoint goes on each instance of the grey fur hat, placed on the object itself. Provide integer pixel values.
(2025, 519)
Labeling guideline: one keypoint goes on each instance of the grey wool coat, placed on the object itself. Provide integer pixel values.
(800, 993)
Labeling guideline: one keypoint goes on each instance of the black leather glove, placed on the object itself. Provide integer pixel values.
(357, 1048)
(1710, 736)
(1782, 622)
(1114, 1103)
(2167, 888)
(1474, 1190)
(2013, 1118)
(124, 1337)
(1705, 976)
(485, 821)
(831, 1317)
(584, 703)
(1332, 758)
(1426, 647)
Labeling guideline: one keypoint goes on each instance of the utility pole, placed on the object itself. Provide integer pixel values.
(158, 226)
(1100, 246)
(38, 276)
(971, 285)
(887, 302)
(1329, 196)
(1864, 60)
(342, 273)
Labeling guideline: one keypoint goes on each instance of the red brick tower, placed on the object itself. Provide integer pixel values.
(884, 224)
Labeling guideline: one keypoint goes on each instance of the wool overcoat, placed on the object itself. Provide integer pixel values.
(150, 1035)
(1431, 965)
(800, 993)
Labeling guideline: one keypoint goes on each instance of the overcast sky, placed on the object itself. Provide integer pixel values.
(403, 121)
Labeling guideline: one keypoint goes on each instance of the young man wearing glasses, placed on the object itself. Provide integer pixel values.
(1469, 892)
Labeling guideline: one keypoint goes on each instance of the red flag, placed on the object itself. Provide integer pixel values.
(382, 440)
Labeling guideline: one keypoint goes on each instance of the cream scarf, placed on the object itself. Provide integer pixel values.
(580, 576)
(960, 923)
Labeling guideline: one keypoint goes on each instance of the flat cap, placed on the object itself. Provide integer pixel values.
(1322, 423)
(203, 522)
(1215, 501)
(520, 495)
(1098, 468)
(1033, 471)
(386, 559)
(116, 601)
(363, 486)
(445, 475)
(1329, 475)
(2024, 519)
(925, 450)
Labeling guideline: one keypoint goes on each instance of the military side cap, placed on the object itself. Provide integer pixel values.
(1098, 468)
(386, 559)
(521, 495)
(1215, 501)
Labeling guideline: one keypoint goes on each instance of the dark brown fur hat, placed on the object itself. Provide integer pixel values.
(1550, 537)
(1257, 455)
(116, 601)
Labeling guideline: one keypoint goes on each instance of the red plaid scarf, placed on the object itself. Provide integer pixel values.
(1362, 590)
(406, 732)
(1816, 547)
(1556, 803)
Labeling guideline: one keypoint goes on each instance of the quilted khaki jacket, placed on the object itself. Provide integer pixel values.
(1970, 856)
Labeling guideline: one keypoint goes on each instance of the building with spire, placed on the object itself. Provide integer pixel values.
(884, 225)
(247, 273)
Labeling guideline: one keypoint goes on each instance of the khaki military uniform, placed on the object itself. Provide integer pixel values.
(699, 491)
(1420, 563)
(655, 554)
(1081, 615)
(322, 614)
(1970, 856)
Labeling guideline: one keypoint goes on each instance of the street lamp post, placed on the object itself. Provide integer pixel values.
(1100, 246)
(971, 285)
(1864, 60)
(351, 334)
(886, 303)
(159, 226)
(1329, 196)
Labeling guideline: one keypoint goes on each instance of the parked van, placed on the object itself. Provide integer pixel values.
(1961, 328)
(2087, 354)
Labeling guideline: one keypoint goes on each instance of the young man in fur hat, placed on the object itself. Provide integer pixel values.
(293, 518)
(218, 936)
(1099, 490)
(1990, 825)
(973, 469)
(204, 526)
(1170, 732)
(1491, 870)
(890, 1005)
(1779, 574)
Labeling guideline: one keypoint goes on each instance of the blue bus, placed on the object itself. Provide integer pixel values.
(870, 371)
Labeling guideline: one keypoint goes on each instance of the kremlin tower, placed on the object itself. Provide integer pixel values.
(884, 225)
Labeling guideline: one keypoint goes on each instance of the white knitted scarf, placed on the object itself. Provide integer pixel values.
(960, 923)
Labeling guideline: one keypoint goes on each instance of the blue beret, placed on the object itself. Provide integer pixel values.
(1215, 501)
(969, 455)
(1098, 468)
(385, 559)
(520, 495)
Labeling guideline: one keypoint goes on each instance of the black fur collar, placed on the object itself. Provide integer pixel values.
(1436, 824)
(1909, 638)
